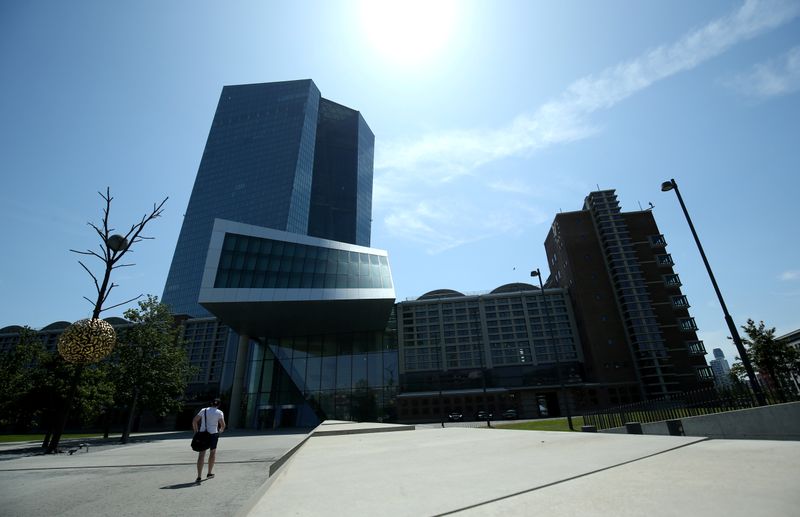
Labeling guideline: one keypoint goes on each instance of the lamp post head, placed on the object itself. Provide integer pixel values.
(667, 186)
(535, 273)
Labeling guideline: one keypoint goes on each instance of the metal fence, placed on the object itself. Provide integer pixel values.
(687, 404)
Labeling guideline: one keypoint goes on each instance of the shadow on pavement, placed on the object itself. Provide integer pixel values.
(180, 485)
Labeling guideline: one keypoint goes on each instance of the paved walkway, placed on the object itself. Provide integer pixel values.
(346, 469)
(153, 476)
(460, 471)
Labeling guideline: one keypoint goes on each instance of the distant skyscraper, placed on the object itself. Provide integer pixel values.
(638, 337)
(279, 156)
(722, 371)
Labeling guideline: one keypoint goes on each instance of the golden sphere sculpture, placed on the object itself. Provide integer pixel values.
(87, 341)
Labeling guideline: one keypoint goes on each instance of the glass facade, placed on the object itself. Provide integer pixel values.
(280, 156)
(341, 194)
(258, 263)
(207, 339)
(343, 376)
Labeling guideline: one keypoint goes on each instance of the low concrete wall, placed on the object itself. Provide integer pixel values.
(776, 422)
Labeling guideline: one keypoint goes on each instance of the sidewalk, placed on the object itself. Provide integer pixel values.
(347, 469)
(460, 471)
(153, 476)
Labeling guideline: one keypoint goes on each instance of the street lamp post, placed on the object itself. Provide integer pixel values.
(538, 274)
(672, 185)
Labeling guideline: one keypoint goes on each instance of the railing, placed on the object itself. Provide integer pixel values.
(687, 404)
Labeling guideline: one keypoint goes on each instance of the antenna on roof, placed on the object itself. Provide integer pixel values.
(640, 206)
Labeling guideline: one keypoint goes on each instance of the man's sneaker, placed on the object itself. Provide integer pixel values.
(209, 476)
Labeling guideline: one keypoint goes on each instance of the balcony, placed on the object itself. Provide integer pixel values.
(705, 373)
(687, 324)
(680, 302)
(672, 280)
(657, 241)
(696, 348)
(664, 260)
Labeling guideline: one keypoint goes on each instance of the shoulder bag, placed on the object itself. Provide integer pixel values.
(201, 440)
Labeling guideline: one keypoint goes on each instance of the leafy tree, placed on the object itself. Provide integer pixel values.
(738, 374)
(33, 382)
(150, 366)
(774, 358)
(95, 392)
(18, 378)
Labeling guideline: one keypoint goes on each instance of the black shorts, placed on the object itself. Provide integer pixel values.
(214, 440)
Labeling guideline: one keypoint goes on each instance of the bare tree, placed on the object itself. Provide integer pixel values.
(113, 247)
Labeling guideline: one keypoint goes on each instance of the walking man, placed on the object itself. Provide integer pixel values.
(209, 419)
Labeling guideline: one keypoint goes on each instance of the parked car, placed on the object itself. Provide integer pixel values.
(483, 415)
(510, 414)
(455, 416)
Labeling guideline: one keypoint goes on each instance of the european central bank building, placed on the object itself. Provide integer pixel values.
(287, 308)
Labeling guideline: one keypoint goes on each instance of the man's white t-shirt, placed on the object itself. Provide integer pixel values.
(212, 417)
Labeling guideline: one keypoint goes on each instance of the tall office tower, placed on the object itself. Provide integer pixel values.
(639, 339)
(288, 304)
(279, 156)
(721, 368)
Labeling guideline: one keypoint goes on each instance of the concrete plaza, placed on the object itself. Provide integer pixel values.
(370, 469)
(154, 476)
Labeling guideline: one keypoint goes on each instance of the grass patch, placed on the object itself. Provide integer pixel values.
(7, 438)
(550, 424)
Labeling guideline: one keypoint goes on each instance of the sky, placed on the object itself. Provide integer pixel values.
(489, 119)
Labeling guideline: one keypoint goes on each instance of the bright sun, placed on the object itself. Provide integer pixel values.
(408, 31)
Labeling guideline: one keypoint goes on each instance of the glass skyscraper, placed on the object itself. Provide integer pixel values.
(275, 247)
(280, 156)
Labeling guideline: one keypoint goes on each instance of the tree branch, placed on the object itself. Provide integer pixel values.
(123, 303)
(134, 234)
(108, 291)
(96, 285)
(88, 252)
(109, 256)
(96, 229)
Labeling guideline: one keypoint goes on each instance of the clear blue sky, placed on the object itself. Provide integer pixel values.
(489, 118)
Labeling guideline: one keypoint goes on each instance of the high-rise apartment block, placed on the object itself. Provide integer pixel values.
(638, 337)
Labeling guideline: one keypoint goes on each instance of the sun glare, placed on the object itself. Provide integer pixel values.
(409, 31)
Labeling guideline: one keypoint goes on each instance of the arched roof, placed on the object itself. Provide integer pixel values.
(440, 293)
(57, 325)
(11, 329)
(515, 287)
(115, 320)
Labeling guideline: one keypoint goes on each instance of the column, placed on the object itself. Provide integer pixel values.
(238, 382)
